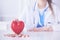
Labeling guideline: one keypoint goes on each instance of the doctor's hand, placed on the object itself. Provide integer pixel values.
(43, 29)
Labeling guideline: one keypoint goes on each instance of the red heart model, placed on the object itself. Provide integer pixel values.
(17, 26)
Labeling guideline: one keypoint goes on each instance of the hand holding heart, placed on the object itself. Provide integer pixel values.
(17, 26)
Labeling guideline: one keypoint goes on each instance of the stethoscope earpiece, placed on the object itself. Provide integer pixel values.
(49, 22)
(58, 22)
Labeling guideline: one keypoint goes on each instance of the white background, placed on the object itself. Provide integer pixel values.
(14, 8)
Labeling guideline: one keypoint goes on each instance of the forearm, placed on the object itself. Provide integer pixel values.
(47, 29)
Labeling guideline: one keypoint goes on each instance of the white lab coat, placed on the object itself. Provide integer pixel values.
(31, 18)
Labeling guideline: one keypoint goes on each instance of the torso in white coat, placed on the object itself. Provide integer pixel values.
(48, 16)
(32, 18)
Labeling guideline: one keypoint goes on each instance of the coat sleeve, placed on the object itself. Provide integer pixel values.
(56, 25)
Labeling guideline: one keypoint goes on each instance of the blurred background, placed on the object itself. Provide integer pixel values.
(10, 9)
